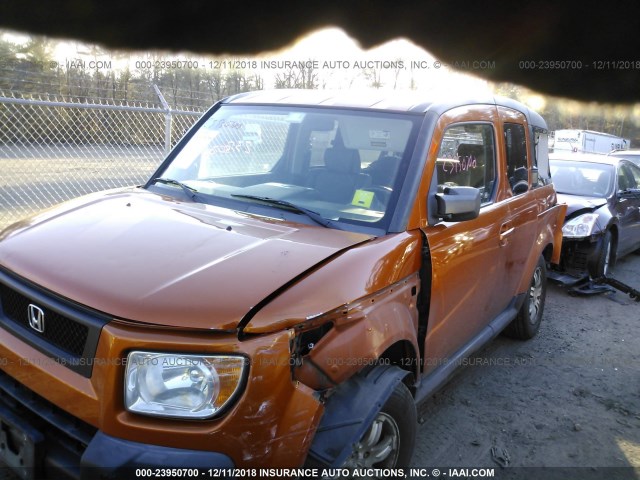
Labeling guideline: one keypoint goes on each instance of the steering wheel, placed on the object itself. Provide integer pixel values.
(383, 193)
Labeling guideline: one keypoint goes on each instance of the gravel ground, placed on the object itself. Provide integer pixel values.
(568, 398)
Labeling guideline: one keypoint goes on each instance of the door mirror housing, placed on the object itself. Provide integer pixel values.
(629, 193)
(457, 204)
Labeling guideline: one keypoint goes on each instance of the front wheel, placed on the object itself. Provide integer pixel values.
(389, 440)
(527, 321)
(604, 257)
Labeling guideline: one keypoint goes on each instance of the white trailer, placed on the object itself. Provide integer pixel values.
(588, 141)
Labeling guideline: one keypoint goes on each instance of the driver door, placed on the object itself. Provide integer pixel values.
(468, 259)
(628, 208)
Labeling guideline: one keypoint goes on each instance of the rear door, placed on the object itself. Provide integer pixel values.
(518, 232)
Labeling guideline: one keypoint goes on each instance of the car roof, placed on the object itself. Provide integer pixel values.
(625, 153)
(584, 157)
(438, 101)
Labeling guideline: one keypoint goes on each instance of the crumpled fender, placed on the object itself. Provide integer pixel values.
(557, 233)
(349, 411)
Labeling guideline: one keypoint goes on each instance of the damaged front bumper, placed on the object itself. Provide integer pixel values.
(578, 260)
(40, 440)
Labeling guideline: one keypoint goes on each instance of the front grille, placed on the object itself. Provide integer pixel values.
(575, 256)
(69, 332)
(578, 260)
(61, 331)
(65, 436)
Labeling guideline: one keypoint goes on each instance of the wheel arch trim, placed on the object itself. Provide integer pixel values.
(350, 410)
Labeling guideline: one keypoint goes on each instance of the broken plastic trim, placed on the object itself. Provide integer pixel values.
(623, 287)
(308, 367)
(307, 339)
(587, 286)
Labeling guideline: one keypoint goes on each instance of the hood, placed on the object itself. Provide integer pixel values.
(140, 256)
(576, 202)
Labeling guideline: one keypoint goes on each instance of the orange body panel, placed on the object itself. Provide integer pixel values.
(269, 424)
(309, 307)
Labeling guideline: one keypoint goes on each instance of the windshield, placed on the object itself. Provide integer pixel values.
(344, 165)
(582, 178)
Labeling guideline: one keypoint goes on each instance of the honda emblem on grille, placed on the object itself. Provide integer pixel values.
(36, 318)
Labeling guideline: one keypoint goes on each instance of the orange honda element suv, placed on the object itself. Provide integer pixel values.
(281, 303)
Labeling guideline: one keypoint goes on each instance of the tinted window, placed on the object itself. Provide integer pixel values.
(516, 146)
(467, 159)
(635, 174)
(628, 177)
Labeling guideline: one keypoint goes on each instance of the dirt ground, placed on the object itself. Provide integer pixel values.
(568, 398)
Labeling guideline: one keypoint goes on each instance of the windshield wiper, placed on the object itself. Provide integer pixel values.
(190, 191)
(315, 216)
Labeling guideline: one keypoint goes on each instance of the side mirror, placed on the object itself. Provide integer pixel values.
(456, 204)
(630, 193)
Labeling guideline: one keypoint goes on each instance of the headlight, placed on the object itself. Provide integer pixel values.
(182, 386)
(581, 226)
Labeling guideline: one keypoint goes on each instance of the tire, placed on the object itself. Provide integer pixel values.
(527, 321)
(391, 435)
(604, 257)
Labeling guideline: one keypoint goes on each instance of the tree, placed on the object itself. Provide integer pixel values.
(8, 52)
(305, 77)
(373, 77)
(288, 79)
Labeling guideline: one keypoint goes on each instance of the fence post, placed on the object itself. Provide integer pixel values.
(167, 119)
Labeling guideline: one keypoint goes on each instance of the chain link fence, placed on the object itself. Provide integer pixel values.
(52, 149)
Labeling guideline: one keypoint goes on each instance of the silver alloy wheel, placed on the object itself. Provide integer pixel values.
(379, 446)
(535, 295)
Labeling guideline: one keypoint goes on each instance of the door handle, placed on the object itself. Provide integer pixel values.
(506, 229)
